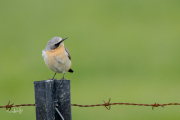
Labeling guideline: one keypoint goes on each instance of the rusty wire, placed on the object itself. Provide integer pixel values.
(106, 104)
(109, 104)
(11, 105)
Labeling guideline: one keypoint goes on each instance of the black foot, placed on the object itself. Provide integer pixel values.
(62, 79)
(53, 77)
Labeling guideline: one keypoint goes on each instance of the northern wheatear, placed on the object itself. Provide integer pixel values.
(57, 57)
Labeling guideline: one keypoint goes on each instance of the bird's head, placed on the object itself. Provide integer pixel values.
(54, 43)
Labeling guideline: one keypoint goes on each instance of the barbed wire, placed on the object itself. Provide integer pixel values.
(106, 104)
(12, 105)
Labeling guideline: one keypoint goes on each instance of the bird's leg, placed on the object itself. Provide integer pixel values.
(53, 76)
(62, 78)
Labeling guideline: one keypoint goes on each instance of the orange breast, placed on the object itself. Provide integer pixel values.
(57, 60)
(54, 53)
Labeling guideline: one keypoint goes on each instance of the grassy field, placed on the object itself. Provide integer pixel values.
(124, 50)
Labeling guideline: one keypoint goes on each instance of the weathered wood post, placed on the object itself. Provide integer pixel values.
(50, 94)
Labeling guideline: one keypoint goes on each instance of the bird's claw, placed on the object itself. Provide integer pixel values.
(52, 78)
(62, 79)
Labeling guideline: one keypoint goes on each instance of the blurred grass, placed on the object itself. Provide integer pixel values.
(124, 50)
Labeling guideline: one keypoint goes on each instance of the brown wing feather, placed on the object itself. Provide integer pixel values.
(68, 53)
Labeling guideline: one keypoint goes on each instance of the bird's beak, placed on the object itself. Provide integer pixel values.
(63, 39)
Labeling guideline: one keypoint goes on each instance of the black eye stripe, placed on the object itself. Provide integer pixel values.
(55, 46)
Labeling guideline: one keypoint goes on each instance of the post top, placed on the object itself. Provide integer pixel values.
(50, 80)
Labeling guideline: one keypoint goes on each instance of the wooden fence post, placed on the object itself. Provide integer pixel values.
(50, 94)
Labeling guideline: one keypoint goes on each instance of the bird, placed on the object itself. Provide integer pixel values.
(56, 57)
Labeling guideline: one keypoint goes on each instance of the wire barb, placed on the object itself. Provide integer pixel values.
(107, 104)
(9, 106)
(156, 105)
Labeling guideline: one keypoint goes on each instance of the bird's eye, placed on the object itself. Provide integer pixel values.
(55, 46)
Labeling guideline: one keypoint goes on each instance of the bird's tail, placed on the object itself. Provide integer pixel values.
(70, 70)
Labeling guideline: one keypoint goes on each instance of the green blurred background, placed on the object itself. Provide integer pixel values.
(126, 50)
